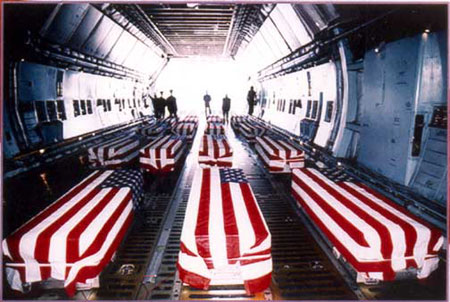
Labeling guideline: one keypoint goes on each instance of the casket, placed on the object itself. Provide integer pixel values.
(214, 119)
(74, 238)
(153, 130)
(236, 120)
(377, 237)
(215, 150)
(116, 152)
(162, 154)
(186, 129)
(279, 154)
(190, 119)
(214, 128)
(169, 121)
(251, 130)
(224, 239)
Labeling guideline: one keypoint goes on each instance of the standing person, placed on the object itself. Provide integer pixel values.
(226, 107)
(155, 105)
(171, 103)
(207, 99)
(251, 97)
(161, 105)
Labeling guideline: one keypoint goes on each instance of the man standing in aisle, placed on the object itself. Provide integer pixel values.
(161, 105)
(155, 105)
(171, 103)
(207, 99)
(251, 97)
(226, 107)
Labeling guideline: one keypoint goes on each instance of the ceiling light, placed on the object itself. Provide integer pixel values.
(427, 30)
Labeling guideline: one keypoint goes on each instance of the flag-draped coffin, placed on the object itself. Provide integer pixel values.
(376, 236)
(75, 237)
(162, 154)
(215, 150)
(225, 239)
(116, 152)
(279, 154)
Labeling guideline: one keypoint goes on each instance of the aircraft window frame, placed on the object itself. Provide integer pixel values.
(315, 109)
(61, 110)
(329, 111)
(419, 124)
(51, 110)
(108, 102)
(89, 107)
(41, 111)
(76, 108)
(83, 107)
(308, 108)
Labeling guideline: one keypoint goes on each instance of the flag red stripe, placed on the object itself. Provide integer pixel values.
(255, 217)
(342, 221)
(215, 148)
(381, 229)
(14, 239)
(43, 240)
(435, 233)
(72, 250)
(410, 232)
(89, 272)
(101, 236)
(229, 219)
(380, 266)
(202, 226)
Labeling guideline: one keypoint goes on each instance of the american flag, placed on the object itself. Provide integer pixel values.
(215, 150)
(75, 237)
(190, 119)
(250, 130)
(375, 235)
(116, 152)
(236, 120)
(152, 130)
(214, 119)
(169, 121)
(280, 155)
(214, 128)
(224, 228)
(185, 129)
(162, 154)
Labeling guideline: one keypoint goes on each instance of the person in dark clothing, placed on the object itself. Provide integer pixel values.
(155, 105)
(226, 107)
(171, 103)
(161, 105)
(251, 97)
(207, 99)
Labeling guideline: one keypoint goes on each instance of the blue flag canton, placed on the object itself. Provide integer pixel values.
(131, 178)
(232, 175)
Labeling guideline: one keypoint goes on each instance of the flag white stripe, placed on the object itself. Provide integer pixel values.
(97, 257)
(360, 252)
(190, 218)
(217, 237)
(89, 234)
(246, 233)
(58, 241)
(397, 234)
(27, 244)
(423, 232)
